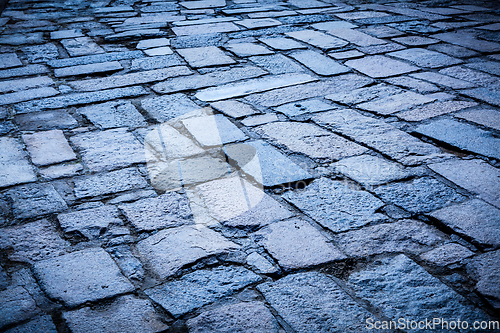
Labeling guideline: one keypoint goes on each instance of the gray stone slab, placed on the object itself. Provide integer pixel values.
(363, 94)
(41, 53)
(17, 305)
(60, 171)
(468, 40)
(346, 54)
(474, 76)
(258, 23)
(379, 66)
(261, 264)
(27, 95)
(168, 107)
(23, 71)
(486, 66)
(484, 268)
(425, 58)
(79, 99)
(209, 28)
(331, 25)
(486, 117)
(463, 136)
(240, 317)
(113, 114)
(81, 46)
(379, 49)
(35, 200)
(415, 294)
(81, 276)
(151, 43)
(355, 37)
(260, 119)
(335, 205)
(104, 67)
(32, 242)
(196, 81)
(167, 210)
(310, 140)
(412, 83)
(282, 43)
(108, 183)
(419, 195)
(231, 90)
(415, 41)
(312, 302)
(21, 39)
(295, 244)
(277, 64)
(9, 60)
(304, 107)
(49, 147)
(447, 254)
(248, 49)
(14, 166)
(126, 313)
(199, 288)
(474, 219)
(203, 4)
(40, 324)
(23, 84)
(361, 14)
(372, 170)
(205, 56)
(484, 94)
(319, 63)
(406, 236)
(170, 250)
(380, 136)
(159, 51)
(156, 62)
(318, 39)
(204, 130)
(395, 103)
(109, 149)
(382, 31)
(234, 109)
(443, 80)
(98, 58)
(453, 50)
(60, 34)
(434, 110)
(124, 80)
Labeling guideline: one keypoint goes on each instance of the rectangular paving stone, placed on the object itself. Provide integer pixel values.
(104, 67)
(171, 249)
(23, 71)
(364, 94)
(474, 76)
(443, 80)
(304, 107)
(9, 60)
(336, 206)
(159, 51)
(108, 183)
(200, 288)
(248, 49)
(98, 58)
(380, 136)
(124, 80)
(234, 109)
(295, 244)
(81, 276)
(382, 31)
(463, 136)
(167, 210)
(379, 49)
(412, 83)
(18, 305)
(415, 293)
(49, 147)
(110, 149)
(447, 254)
(197, 81)
(469, 41)
(409, 236)
(21, 39)
(203, 21)
(486, 66)
(332, 25)
(26, 95)
(425, 58)
(252, 86)
(23, 84)
(355, 37)
(258, 23)
(156, 62)
(275, 168)
(81, 46)
(260, 119)
(379, 66)
(434, 110)
(35, 200)
(346, 54)
(312, 302)
(407, 11)
(419, 195)
(113, 114)
(79, 98)
(39, 121)
(277, 64)
(150, 43)
(214, 130)
(205, 56)
(487, 95)
(486, 117)
(318, 39)
(395, 103)
(203, 4)
(209, 28)
(14, 165)
(319, 63)
(475, 176)
(168, 107)
(415, 41)
(310, 140)
(282, 43)
(482, 269)
(473, 219)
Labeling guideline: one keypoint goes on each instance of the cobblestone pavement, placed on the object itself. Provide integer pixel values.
(340, 165)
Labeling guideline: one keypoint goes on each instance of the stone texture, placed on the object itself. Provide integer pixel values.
(318, 63)
(209, 28)
(109, 149)
(447, 254)
(81, 276)
(170, 250)
(39, 121)
(360, 95)
(27, 95)
(443, 80)
(32, 242)
(473, 219)
(199, 288)
(40, 324)
(23, 84)
(261, 264)
(10, 60)
(486, 117)
(355, 37)
(167, 210)
(113, 114)
(484, 268)
(258, 23)
(463, 136)
(425, 58)
(41, 53)
(247, 49)
(379, 66)
(156, 62)
(394, 103)
(260, 119)
(434, 110)
(48, 147)
(14, 166)
(335, 205)
(94, 59)
(235, 318)
(22, 71)
(116, 317)
(318, 39)
(419, 195)
(309, 140)
(81, 46)
(295, 244)
(35, 200)
(304, 107)
(213, 130)
(277, 64)
(312, 302)
(18, 305)
(103, 67)
(469, 41)
(487, 95)
(407, 236)
(415, 294)
(205, 56)
(283, 44)
(168, 107)
(234, 109)
(412, 83)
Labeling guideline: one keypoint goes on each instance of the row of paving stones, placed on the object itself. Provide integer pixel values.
(383, 116)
